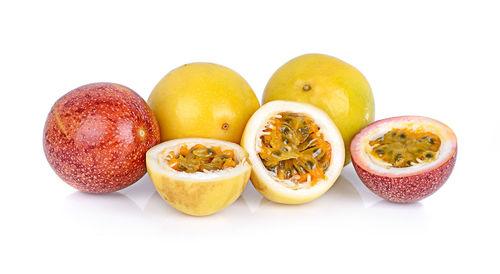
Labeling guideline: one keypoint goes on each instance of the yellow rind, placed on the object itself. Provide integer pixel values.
(277, 197)
(198, 194)
(199, 198)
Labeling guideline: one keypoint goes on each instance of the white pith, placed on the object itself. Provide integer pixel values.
(361, 147)
(156, 159)
(328, 130)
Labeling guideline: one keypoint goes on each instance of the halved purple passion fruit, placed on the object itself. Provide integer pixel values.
(404, 159)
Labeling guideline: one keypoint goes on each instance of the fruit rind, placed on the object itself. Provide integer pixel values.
(407, 189)
(409, 184)
(198, 194)
(203, 100)
(263, 180)
(96, 136)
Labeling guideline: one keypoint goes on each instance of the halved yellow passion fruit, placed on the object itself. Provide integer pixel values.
(295, 149)
(198, 176)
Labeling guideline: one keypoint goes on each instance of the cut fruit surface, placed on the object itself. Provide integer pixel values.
(198, 176)
(200, 158)
(295, 149)
(404, 159)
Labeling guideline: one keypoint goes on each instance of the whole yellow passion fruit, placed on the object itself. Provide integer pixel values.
(326, 82)
(203, 100)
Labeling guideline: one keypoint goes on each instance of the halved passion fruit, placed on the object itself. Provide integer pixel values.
(198, 176)
(404, 159)
(295, 149)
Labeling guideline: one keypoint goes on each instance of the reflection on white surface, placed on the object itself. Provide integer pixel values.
(102, 213)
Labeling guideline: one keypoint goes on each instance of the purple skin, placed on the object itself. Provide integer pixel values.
(96, 137)
(407, 189)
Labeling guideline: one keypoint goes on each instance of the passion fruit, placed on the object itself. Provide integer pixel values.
(96, 137)
(295, 149)
(203, 100)
(326, 82)
(404, 159)
(198, 176)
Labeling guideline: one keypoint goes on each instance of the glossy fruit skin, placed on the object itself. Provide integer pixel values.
(334, 86)
(96, 137)
(415, 185)
(203, 100)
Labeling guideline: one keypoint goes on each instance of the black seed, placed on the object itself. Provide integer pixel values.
(210, 151)
(317, 152)
(398, 156)
(309, 165)
(428, 155)
(408, 163)
(420, 150)
(285, 130)
(402, 136)
(431, 140)
(390, 152)
(423, 138)
(288, 120)
(394, 134)
(284, 148)
(379, 151)
(277, 153)
(284, 140)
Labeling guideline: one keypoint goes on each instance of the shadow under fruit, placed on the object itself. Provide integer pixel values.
(96, 137)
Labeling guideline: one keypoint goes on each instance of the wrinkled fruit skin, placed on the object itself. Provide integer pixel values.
(96, 137)
(407, 189)
(330, 84)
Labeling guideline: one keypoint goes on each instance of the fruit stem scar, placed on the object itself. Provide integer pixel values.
(225, 126)
(142, 133)
(306, 87)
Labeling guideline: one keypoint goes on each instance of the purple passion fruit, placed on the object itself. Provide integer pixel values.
(96, 137)
(404, 159)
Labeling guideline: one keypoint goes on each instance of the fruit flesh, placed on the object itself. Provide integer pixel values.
(294, 150)
(200, 158)
(405, 147)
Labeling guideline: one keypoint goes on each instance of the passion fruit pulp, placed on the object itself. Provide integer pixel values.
(200, 158)
(295, 149)
(405, 147)
(198, 176)
(404, 159)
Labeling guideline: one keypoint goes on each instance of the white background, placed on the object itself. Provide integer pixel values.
(431, 58)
